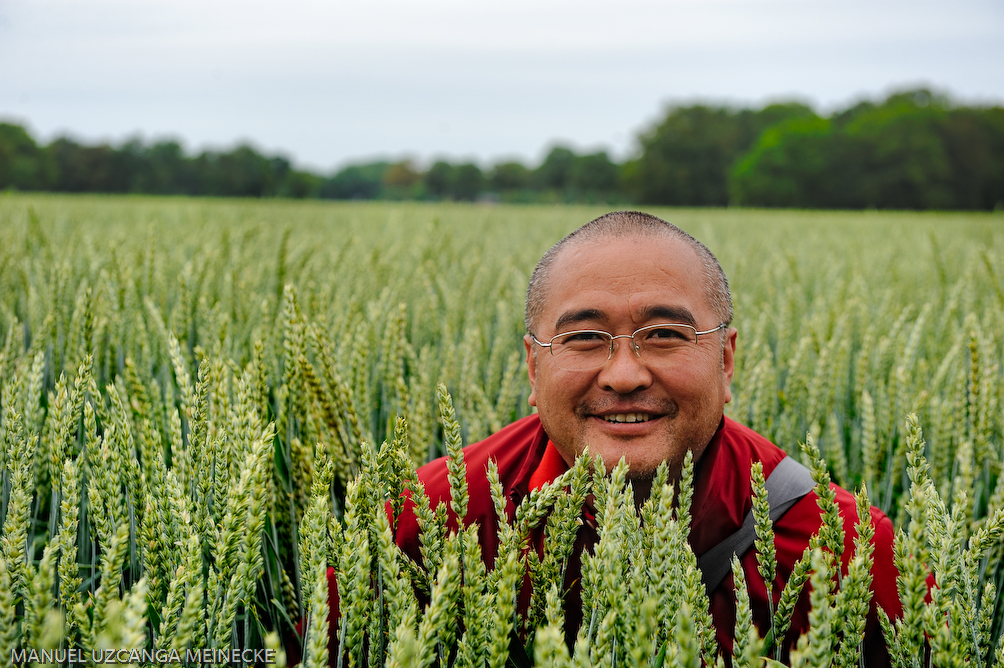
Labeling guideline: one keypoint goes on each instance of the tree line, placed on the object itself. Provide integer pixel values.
(914, 150)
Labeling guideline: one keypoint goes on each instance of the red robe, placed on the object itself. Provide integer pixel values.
(722, 497)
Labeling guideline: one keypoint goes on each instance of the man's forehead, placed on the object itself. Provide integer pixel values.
(674, 247)
(628, 258)
(638, 267)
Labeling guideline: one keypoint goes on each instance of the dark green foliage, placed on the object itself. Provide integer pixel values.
(300, 185)
(439, 178)
(355, 182)
(402, 181)
(163, 169)
(507, 176)
(554, 173)
(594, 173)
(767, 172)
(913, 151)
(686, 159)
(464, 182)
(467, 182)
(242, 172)
(23, 164)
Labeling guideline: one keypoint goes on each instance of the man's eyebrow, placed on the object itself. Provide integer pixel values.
(572, 317)
(674, 314)
(664, 312)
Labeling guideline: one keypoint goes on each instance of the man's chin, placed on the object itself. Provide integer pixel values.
(641, 475)
(639, 468)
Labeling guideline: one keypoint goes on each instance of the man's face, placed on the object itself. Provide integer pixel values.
(618, 285)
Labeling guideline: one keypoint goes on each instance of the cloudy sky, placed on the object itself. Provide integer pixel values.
(328, 82)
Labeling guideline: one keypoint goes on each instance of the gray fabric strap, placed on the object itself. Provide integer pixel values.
(786, 484)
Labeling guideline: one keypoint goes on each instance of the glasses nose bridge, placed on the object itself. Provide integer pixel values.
(634, 344)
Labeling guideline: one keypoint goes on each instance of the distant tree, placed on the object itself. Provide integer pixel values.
(401, 175)
(355, 182)
(468, 181)
(912, 151)
(84, 168)
(901, 152)
(594, 174)
(242, 172)
(755, 122)
(127, 166)
(687, 158)
(439, 179)
(300, 185)
(507, 176)
(842, 117)
(554, 173)
(975, 145)
(401, 181)
(169, 171)
(790, 166)
(23, 164)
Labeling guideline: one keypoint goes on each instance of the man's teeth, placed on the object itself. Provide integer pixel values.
(628, 417)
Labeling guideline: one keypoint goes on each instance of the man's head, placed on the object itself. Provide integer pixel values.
(619, 273)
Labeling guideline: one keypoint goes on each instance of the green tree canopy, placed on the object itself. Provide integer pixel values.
(468, 181)
(23, 164)
(438, 179)
(242, 172)
(686, 159)
(555, 171)
(594, 173)
(913, 151)
(507, 176)
(355, 182)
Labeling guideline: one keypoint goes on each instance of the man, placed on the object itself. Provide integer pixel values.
(629, 351)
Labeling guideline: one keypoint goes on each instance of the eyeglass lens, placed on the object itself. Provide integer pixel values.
(586, 350)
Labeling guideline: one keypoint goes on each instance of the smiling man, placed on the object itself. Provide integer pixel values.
(630, 352)
(660, 388)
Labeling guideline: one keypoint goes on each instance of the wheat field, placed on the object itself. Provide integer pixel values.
(206, 403)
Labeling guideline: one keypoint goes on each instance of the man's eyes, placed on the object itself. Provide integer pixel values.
(582, 337)
(666, 333)
(658, 335)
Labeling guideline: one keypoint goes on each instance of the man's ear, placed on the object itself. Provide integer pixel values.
(531, 369)
(729, 360)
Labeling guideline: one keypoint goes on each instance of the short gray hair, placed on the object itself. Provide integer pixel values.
(625, 224)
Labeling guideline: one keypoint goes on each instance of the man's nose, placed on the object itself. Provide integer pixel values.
(625, 371)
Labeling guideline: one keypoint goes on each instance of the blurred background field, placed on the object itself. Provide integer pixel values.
(451, 278)
(147, 344)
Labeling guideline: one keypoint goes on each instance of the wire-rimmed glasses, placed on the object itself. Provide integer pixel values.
(589, 349)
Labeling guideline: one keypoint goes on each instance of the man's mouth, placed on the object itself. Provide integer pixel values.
(628, 417)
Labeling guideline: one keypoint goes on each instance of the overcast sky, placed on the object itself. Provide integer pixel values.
(328, 82)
